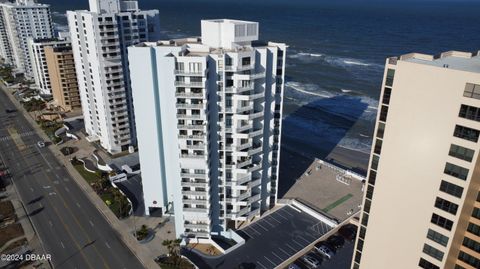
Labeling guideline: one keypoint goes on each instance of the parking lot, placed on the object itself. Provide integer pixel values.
(271, 240)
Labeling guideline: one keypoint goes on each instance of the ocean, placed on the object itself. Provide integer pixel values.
(336, 55)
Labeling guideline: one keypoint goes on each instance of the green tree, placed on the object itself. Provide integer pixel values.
(173, 247)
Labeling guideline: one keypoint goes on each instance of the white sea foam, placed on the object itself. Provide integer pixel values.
(308, 89)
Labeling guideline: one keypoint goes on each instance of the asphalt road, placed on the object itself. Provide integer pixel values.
(71, 228)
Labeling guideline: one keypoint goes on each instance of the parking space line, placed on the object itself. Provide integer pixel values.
(274, 264)
(286, 253)
(249, 235)
(273, 226)
(261, 265)
(291, 247)
(274, 218)
(261, 226)
(300, 237)
(281, 260)
(295, 241)
(288, 213)
(255, 231)
(282, 216)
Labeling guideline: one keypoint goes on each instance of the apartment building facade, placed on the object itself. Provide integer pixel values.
(100, 38)
(36, 49)
(63, 77)
(19, 21)
(422, 204)
(209, 134)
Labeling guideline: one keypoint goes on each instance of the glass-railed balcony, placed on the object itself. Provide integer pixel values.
(196, 84)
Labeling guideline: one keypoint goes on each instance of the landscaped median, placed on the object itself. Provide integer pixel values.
(100, 183)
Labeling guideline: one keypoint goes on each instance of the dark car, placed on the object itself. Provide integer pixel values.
(348, 231)
(8, 110)
(336, 241)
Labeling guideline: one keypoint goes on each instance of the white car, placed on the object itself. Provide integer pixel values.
(41, 144)
(311, 261)
(325, 251)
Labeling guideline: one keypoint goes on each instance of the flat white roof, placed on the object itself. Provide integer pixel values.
(463, 61)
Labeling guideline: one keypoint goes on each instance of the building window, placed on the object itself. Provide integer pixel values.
(437, 237)
(246, 61)
(474, 229)
(476, 212)
(466, 133)
(469, 112)
(383, 113)
(451, 189)
(375, 160)
(386, 95)
(461, 153)
(471, 244)
(380, 129)
(442, 222)
(472, 91)
(369, 194)
(372, 177)
(456, 171)
(426, 264)
(469, 259)
(446, 205)
(378, 146)
(390, 76)
(433, 252)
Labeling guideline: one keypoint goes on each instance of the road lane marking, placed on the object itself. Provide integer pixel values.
(78, 205)
(52, 193)
(274, 219)
(91, 223)
(254, 230)
(67, 189)
(31, 189)
(47, 187)
(50, 222)
(61, 243)
(273, 226)
(282, 216)
(106, 244)
(247, 233)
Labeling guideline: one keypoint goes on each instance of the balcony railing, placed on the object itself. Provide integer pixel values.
(195, 84)
(195, 209)
(189, 73)
(190, 106)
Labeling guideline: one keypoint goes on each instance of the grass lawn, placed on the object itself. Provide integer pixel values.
(6, 209)
(9, 232)
(88, 176)
(167, 263)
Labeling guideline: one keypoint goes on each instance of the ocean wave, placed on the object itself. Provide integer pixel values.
(58, 14)
(310, 89)
(345, 62)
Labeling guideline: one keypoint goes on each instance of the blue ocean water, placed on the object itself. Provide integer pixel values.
(336, 55)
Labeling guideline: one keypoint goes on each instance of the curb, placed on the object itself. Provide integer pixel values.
(88, 191)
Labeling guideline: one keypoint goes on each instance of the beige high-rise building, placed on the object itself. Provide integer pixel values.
(63, 78)
(422, 204)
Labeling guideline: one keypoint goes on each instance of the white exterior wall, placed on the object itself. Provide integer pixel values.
(23, 20)
(238, 156)
(99, 45)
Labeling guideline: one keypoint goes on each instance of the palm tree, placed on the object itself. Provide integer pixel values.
(173, 247)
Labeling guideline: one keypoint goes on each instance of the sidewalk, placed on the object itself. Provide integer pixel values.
(143, 254)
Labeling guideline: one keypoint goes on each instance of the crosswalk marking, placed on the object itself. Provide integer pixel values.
(25, 134)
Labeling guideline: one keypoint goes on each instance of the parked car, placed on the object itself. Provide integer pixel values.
(294, 266)
(8, 110)
(310, 260)
(326, 251)
(41, 144)
(348, 231)
(336, 241)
